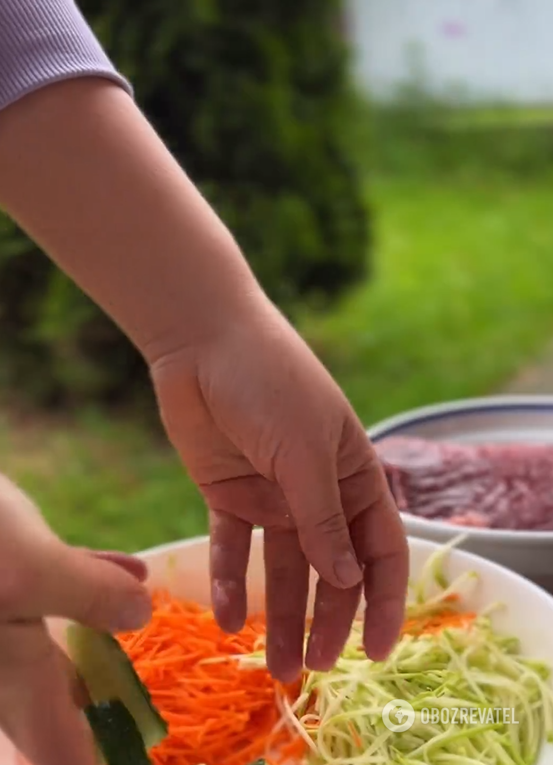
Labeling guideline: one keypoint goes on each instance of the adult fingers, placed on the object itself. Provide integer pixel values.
(381, 545)
(68, 582)
(333, 615)
(37, 711)
(229, 553)
(286, 592)
(309, 481)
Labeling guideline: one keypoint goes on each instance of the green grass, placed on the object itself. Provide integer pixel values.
(102, 484)
(462, 297)
(501, 117)
(463, 294)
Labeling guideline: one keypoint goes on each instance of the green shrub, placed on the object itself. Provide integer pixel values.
(252, 97)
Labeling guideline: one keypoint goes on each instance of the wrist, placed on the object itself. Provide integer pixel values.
(188, 347)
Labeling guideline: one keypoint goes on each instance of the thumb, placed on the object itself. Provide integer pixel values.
(309, 481)
(91, 590)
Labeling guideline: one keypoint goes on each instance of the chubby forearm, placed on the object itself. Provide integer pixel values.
(82, 171)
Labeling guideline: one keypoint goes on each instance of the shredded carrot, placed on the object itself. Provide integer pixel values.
(218, 713)
(355, 736)
(436, 622)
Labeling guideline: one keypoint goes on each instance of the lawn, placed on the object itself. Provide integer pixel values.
(462, 296)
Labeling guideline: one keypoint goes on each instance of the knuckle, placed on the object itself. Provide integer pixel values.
(328, 524)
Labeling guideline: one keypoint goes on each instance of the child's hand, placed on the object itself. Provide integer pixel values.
(271, 441)
(40, 577)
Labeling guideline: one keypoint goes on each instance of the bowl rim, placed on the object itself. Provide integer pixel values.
(468, 555)
(460, 407)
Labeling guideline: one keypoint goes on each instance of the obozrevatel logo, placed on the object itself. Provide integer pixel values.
(398, 715)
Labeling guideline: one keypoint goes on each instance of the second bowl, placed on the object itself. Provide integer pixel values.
(497, 419)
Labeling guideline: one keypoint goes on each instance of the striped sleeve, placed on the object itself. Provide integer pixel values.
(46, 41)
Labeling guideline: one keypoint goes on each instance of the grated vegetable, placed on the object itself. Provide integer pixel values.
(447, 659)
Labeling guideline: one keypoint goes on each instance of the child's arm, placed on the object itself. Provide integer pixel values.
(40, 576)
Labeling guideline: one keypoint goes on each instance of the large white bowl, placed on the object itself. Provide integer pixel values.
(182, 567)
(497, 419)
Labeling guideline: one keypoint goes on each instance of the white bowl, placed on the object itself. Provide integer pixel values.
(497, 419)
(182, 568)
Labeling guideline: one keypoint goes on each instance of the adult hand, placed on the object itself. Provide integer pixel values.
(40, 576)
(271, 441)
(261, 426)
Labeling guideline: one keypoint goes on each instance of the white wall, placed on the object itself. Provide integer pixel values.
(499, 49)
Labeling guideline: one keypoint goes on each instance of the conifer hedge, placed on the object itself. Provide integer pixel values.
(252, 97)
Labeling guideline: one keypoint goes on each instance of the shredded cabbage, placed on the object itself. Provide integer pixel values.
(471, 672)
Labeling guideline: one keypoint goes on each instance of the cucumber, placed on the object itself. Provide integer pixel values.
(109, 676)
(117, 736)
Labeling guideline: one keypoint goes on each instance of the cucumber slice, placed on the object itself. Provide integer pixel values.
(116, 733)
(109, 676)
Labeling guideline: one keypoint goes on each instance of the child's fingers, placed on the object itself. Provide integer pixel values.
(132, 565)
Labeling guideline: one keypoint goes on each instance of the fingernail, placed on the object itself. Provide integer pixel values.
(132, 565)
(347, 571)
(136, 612)
(285, 671)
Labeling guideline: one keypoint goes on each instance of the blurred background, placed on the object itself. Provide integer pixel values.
(387, 167)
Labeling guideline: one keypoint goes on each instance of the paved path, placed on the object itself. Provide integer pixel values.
(536, 379)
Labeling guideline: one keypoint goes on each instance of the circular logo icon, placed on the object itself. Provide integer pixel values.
(398, 715)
